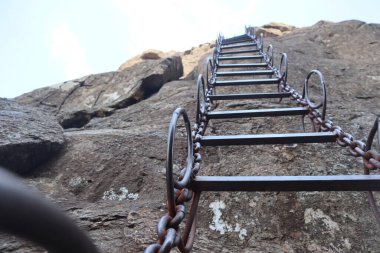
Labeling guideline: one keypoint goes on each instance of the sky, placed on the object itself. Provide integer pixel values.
(45, 42)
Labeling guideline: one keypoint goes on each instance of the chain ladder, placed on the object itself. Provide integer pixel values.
(178, 191)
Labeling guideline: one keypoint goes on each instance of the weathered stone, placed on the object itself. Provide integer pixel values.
(192, 57)
(76, 102)
(274, 29)
(150, 54)
(28, 137)
(124, 153)
(279, 26)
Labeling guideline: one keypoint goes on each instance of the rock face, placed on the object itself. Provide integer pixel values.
(76, 102)
(190, 58)
(275, 29)
(28, 137)
(110, 176)
(150, 54)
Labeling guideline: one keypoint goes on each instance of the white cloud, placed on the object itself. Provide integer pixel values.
(66, 49)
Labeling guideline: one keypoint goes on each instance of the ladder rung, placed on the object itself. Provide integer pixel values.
(243, 57)
(262, 139)
(240, 45)
(244, 65)
(249, 96)
(245, 73)
(229, 42)
(258, 113)
(237, 37)
(247, 82)
(286, 183)
(240, 51)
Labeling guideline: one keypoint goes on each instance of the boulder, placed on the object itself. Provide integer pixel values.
(275, 29)
(150, 54)
(28, 137)
(76, 102)
(191, 58)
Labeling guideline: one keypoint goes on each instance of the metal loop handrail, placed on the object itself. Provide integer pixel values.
(305, 93)
(284, 73)
(201, 92)
(269, 55)
(261, 43)
(170, 181)
(375, 129)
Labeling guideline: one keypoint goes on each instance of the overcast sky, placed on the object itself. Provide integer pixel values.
(44, 42)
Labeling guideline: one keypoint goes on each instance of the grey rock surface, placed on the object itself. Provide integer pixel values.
(110, 177)
(76, 102)
(28, 136)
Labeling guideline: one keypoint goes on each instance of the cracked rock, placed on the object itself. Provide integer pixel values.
(28, 137)
(76, 102)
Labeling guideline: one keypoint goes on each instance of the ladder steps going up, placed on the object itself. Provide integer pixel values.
(250, 96)
(239, 45)
(240, 51)
(258, 113)
(262, 139)
(244, 65)
(237, 37)
(245, 73)
(247, 82)
(243, 57)
(236, 41)
(287, 183)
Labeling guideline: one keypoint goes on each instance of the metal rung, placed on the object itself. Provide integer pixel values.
(245, 73)
(258, 113)
(237, 37)
(244, 65)
(262, 139)
(240, 51)
(249, 96)
(247, 82)
(243, 57)
(236, 41)
(241, 45)
(287, 183)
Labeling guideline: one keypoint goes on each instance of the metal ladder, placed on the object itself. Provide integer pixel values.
(188, 186)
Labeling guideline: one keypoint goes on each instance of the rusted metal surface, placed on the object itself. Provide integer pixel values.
(189, 186)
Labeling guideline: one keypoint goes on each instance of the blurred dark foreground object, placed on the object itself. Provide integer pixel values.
(26, 214)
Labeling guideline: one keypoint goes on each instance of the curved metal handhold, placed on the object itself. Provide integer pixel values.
(201, 107)
(210, 78)
(26, 214)
(269, 55)
(370, 139)
(170, 181)
(215, 56)
(323, 103)
(305, 93)
(208, 68)
(283, 74)
(261, 42)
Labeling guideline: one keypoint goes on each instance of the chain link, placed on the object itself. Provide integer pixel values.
(357, 148)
